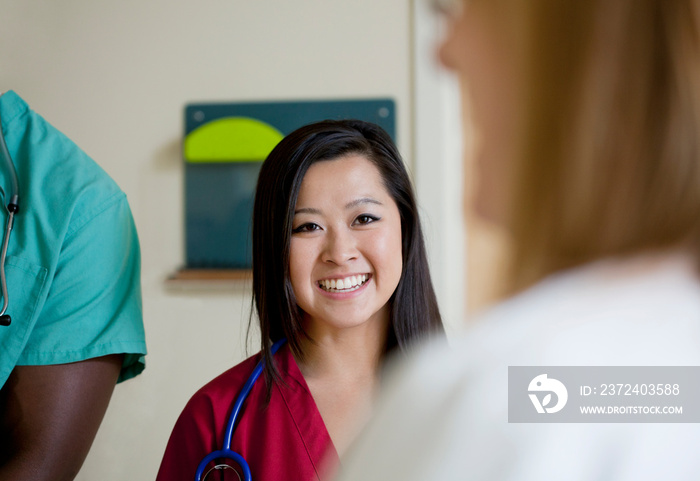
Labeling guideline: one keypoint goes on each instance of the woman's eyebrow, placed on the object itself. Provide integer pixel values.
(349, 205)
(363, 200)
(307, 210)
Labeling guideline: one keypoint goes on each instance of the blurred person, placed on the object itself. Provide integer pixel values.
(340, 271)
(72, 322)
(588, 158)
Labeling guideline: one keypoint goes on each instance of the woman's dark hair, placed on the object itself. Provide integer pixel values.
(414, 312)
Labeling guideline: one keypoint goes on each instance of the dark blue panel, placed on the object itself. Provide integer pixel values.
(218, 214)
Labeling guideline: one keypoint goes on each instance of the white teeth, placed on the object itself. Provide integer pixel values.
(347, 284)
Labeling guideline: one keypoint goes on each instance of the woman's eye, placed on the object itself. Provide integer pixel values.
(308, 227)
(365, 219)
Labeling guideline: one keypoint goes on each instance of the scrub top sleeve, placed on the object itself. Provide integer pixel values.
(191, 440)
(93, 307)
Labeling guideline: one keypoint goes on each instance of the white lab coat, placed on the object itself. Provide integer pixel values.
(444, 414)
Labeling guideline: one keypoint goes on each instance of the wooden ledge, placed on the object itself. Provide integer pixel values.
(210, 277)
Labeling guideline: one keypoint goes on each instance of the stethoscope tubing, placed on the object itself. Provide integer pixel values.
(12, 209)
(3, 256)
(226, 451)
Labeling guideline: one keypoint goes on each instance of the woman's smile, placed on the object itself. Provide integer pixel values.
(344, 284)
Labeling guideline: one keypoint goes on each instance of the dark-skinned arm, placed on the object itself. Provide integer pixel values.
(49, 416)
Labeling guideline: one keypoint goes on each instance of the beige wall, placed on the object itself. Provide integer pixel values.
(114, 76)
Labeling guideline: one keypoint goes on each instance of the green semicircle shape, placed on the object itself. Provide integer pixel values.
(231, 139)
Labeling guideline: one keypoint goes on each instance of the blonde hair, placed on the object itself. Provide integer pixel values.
(608, 153)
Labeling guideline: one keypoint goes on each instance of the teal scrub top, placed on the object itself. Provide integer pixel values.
(73, 262)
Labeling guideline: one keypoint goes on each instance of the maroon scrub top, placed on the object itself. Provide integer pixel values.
(283, 440)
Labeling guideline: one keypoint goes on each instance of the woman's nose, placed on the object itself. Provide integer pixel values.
(340, 247)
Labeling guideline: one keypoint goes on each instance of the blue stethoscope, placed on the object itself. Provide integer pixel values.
(12, 209)
(225, 452)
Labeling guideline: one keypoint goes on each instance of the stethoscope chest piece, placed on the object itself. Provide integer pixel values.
(222, 467)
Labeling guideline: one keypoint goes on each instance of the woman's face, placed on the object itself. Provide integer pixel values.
(475, 49)
(345, 251)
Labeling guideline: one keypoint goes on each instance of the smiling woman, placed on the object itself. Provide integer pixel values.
(340, 271)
